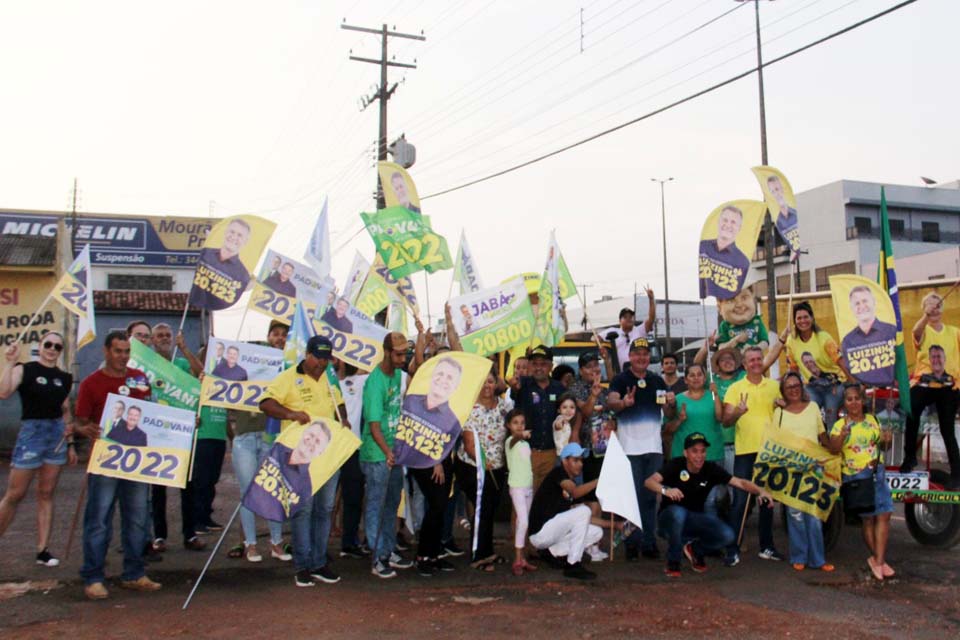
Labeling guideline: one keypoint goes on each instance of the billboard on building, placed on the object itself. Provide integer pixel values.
(136, 241)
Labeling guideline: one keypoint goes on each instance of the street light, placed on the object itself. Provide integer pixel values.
(666, 281)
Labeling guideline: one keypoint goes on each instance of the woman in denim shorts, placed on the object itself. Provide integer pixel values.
(45, 440)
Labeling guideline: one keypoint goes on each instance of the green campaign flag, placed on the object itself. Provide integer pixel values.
(169, 384)
(887, 278)
(406, 242)
(568, 288)
(550, 321)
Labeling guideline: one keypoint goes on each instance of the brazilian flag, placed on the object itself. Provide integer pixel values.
(887, 278)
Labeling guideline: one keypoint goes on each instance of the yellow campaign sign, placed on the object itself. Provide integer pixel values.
(230, 254)
(727, 242)
(398, 187)
(144, 442)
(782, 205)
(374, 295)
(20, 297)
(153, 465)
(401, 287)
(797, 472)
(867, 326)
(361, 351)
(240, 395)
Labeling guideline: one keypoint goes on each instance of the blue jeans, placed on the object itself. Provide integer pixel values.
(249, 450)
(384, 488)
(743, 468)
(679, 525)
(39, 442)
(806, 538)
(828, 398)
(644, 466)
(310, 527)
(103, 493)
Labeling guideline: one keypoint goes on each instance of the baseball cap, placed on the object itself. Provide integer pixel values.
(572, 450)
(320, 347)
(276, 323)
(695, 438)
(640, 343)
(626, 311)
(587, 357)
(541, 352)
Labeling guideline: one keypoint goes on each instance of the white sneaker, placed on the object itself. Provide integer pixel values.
(399, 562)
(596, 554)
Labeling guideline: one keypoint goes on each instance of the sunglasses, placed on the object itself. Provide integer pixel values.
(53, 345)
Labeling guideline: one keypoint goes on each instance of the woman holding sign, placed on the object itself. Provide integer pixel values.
(815, 354)
(802, 418)
(45, 441)
(859, 439)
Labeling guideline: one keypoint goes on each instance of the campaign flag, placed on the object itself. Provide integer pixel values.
(143, 441)
(550, 329)
(318, 249)
(358, 271)
(374, 295)
(397, 315)
(481, 461)
(301, 461)
(798, 472)
(568, 287)
(356, 339)
(727, 241)
(887, 277)
(230, 254)
(281, 281)
(494, 319)
(399, 189)
(439, 400)
(401, 287)
(169, 384)
(406, 242)
(782, 205)
(301, 330)
(867, 324)
(237, 374)
(615, 487)
(73, 292)
(465, 272)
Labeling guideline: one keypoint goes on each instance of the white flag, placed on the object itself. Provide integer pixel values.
(318, 249)
(615, 489)
(465, 270)
(354, 280)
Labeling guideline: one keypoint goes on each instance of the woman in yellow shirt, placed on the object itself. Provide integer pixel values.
(815, 354)
(802, 418)
(859, 439)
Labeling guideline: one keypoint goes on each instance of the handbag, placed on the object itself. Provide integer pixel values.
(859, 496)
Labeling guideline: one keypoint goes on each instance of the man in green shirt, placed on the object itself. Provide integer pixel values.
(382, 398)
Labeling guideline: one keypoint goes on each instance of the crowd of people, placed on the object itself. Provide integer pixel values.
(540, 432)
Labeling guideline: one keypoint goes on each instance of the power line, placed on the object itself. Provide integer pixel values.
(674, 104)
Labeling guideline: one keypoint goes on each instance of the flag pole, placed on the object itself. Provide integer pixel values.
(611, 536)
(213, 553)
(183, 321)
(76, 517)
(35, 314)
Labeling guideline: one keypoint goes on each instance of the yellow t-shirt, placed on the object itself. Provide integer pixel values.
(807, 424)
(821, 346)
(297, 391)
(949, 339)
(750, 426)
(860, 447)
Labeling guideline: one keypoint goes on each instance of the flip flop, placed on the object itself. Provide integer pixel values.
(518, 568)
(236, 551)
(876, 569)
(888, 571)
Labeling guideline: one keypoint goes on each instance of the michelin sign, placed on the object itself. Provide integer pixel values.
(120, 240)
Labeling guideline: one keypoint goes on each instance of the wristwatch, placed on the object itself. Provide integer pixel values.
(663, 489)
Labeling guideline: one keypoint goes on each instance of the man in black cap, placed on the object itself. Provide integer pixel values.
(641, 399)
(630, 331)
(684, 484)
(537, 396)
(298, 395)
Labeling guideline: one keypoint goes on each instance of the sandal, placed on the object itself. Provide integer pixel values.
(518, 568)
(888, 571)
(528, 566)
(484, 564)
(236, 551)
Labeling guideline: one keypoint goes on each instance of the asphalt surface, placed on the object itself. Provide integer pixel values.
(240, 599)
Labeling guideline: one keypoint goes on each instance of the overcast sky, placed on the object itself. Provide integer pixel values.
(180, 108)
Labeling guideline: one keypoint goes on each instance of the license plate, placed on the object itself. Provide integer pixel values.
(915, 481)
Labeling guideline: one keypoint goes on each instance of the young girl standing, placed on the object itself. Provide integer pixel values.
(563, 424)
(520, 482)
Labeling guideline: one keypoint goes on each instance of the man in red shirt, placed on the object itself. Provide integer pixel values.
(103, 492)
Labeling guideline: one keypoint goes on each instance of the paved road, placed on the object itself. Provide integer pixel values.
(240, 600)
